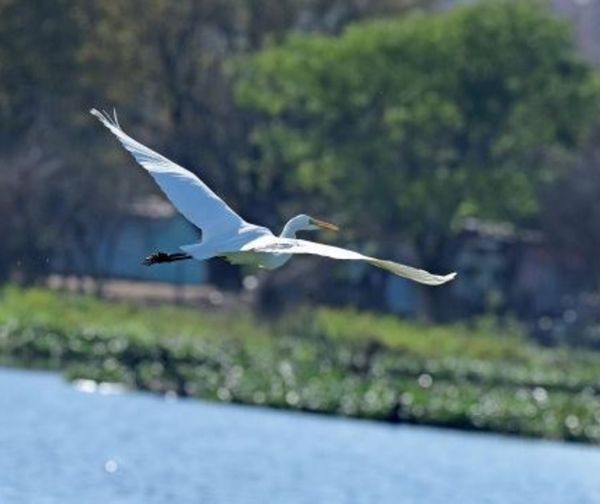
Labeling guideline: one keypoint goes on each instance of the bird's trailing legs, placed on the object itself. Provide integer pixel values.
(164, 257)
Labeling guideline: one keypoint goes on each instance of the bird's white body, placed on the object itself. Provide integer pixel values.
(257, 259)
(225, 234)
(239, 250)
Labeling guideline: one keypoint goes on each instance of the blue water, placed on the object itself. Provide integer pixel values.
(60, 445)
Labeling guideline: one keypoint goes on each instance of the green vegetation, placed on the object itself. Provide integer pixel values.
(331, 361)
(166, 70)
(431, 118)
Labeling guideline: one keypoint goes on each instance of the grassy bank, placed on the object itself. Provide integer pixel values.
(329, 361)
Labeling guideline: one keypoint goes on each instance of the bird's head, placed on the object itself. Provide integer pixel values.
(304, 222)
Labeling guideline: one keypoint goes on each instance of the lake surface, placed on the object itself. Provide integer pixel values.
(62, 445)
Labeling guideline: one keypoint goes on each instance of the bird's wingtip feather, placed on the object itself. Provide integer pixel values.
(106, 119)
(447, 278)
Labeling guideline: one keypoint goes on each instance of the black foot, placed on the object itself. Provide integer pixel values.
(156, 258)
(163, 257)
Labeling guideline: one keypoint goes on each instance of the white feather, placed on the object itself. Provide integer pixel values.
(225, 234)
(192, 197)
(292, 246)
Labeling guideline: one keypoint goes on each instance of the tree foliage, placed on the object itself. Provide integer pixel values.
(411, 125)
(571, 212)
(407, 125)
(163, 65)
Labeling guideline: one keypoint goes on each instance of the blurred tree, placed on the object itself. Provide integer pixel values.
(57, 186)
(34, 67)
(168, 64)
(24, 177)
(572, 224)
(415, 124)
(164, 65)
(35, 63)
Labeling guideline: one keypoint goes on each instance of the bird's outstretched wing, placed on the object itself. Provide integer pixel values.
(192, 197)
(275, 245)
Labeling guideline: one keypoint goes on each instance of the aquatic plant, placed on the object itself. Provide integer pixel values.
(340, 362)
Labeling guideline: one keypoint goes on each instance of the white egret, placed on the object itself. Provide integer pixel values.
(225, 234)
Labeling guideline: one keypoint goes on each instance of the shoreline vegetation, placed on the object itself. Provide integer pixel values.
(483, 377)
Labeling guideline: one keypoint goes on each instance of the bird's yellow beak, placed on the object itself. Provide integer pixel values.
(324, 225)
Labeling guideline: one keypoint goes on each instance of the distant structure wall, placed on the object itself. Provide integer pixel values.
(151, 225)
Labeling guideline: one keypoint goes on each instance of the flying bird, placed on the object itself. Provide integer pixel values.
(226, 235)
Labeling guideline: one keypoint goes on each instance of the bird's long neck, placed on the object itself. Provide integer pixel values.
(290, 229)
